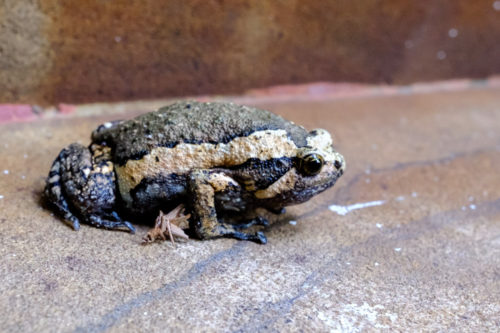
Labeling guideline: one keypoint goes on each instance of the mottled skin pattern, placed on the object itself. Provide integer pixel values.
(279, 164)
(189, 122)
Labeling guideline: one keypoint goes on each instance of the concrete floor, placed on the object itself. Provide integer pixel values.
(408, 239)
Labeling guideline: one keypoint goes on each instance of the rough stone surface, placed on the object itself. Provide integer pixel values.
(94, 50)
(417, 249)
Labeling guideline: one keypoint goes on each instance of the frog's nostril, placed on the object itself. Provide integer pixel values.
(337, 164)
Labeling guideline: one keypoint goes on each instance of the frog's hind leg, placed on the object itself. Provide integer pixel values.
(203, 184)
(82, 183)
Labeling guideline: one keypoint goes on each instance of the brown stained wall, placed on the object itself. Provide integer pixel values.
(103, 50)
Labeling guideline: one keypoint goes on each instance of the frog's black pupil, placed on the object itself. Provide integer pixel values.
(312, 164)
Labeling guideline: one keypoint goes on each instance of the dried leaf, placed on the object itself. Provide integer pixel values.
(167, 225)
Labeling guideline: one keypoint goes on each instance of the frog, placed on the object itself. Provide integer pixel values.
(222, 161)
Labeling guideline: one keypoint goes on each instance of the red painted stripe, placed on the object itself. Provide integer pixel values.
(16, 113)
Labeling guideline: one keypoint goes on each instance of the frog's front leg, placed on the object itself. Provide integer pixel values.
(81, 186)
(203, 184)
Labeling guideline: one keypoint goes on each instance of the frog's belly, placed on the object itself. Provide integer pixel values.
(184, 157)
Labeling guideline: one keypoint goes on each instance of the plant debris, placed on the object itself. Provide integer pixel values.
(167, 226)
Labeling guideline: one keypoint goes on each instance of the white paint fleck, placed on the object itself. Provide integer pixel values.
(392, 316)
(409, 44)
(25, 155)
(378, 225)
(496, 5)
(400, 198)
(145, 313)
(1, 196)
(472, 206)
(343, 210)
(368, 171)
(107, 125)
(414, 194)
(160, 314)
(464, 208)
(397, 249)
(330, 322)
(356, 318)
(441, 55)
(453, 33)
(6, 172)
(292, 222)
(118, 39)
(348, 263)
(376, 264)
(23, 177)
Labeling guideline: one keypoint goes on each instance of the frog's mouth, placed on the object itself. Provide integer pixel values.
(307, 187)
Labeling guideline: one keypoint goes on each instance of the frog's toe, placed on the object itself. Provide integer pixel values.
(130, 227)
(74, 223)
(259, 237)
(262, 221)
(71, 220)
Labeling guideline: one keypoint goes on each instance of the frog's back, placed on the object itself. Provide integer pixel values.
(190, 122)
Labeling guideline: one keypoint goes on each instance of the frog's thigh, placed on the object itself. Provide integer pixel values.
(203, 185)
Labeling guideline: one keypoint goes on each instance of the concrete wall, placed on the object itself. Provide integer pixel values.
(104, 50)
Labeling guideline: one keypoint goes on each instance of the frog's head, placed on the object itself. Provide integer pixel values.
(317, 166)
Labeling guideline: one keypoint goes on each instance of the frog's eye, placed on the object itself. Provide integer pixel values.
(310, 165)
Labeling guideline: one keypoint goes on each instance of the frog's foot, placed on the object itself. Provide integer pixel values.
(101, 222)
(73, 220)
(259, 220)
(224, 230)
